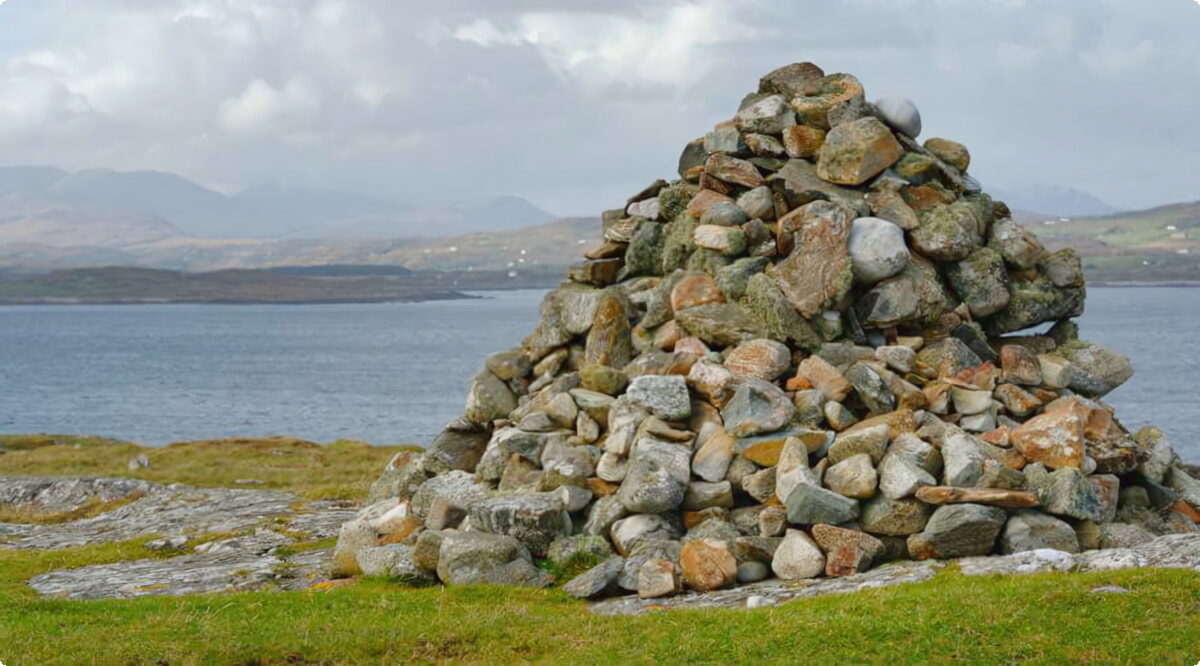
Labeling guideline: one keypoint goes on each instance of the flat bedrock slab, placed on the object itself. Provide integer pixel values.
(1176, 551)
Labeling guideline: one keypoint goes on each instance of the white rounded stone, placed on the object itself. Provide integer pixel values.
(900, 114)
(877, 249)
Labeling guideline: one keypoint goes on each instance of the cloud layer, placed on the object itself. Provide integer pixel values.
(574, 108)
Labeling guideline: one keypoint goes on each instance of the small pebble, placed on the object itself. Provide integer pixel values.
(1109, 589)
(758, 601)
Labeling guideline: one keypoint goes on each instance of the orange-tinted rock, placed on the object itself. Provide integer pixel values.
(707, 565)
(694, 174)
(711, 183)
(1020, 365)
(667, 336)
(997, 437)
(608, 342)
(608, 250)
(602, 488)
(951, 152)
(760, 359)
(847, 552)
(1054, 439)
(1005, 499)
(817, 271)
(691, 346)
(825, 378)
(803, 141)
(733, 170)
(899, 422)
(928, 196)
(1186, 509)
(798, 384)
(704, 200)
(1019, 402)
(891, 206)
(857, 151)
(695, 290)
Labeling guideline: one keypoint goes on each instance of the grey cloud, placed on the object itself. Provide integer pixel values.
(576, 104)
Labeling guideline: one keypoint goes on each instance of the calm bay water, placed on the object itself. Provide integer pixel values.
(390, 373)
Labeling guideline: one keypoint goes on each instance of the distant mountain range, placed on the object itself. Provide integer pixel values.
(1052, 200)
(107, 208)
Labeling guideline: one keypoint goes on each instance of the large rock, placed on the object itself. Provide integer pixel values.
(798, 556)
(707, 565)
(534, 520)
(720, 324)
(809, 505)
(467, 558)
(1032, 530)
(1097, 371)
(776, 316)
(853, 477)
(657, 478)
(894, 517)
(393, 560)
(949, 232)
(459, 446)
(847, 552)
(958, 530)
(857, 151)
(981, 281)
(1055, 439)
(665, 396)
(608, 342)
(597, 581)
(489, 398)
(877, 249)
(401, 477)
(759, 359)
(901, 115)
(818, 270)
(458, 488)
(757, 407)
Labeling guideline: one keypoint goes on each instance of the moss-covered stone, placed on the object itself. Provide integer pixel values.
(1034, 302)
(720, 324)
(734, 278)
(673, 200)
(981, 281)
(776, 316)
(678, 244)
(708, 261)
(948, 232)
(645, 252)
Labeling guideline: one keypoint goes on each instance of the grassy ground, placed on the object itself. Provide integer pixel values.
(1054, 618)
(1051, 618)
(341, 470)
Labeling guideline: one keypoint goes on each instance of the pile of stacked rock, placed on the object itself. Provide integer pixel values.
(796, 360)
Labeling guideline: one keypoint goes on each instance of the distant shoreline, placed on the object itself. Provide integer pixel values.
(446, 296)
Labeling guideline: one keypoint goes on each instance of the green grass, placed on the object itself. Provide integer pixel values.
(341, 470)
(1052, 618)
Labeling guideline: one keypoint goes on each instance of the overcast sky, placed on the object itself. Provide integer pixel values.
(575, 104)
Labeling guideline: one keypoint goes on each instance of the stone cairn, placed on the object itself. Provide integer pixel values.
(796, 360)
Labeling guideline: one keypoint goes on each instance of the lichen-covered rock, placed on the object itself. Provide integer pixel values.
(857, 151)
(1097, 371)
(657, 478)
(489, 398)
(981, 281)
(757, 407)
(467, 558)
(949, 232)
(534, 520)
(818, 269)
(951, 152)
(958, 530)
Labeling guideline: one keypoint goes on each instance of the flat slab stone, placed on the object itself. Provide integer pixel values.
(1171, 551)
